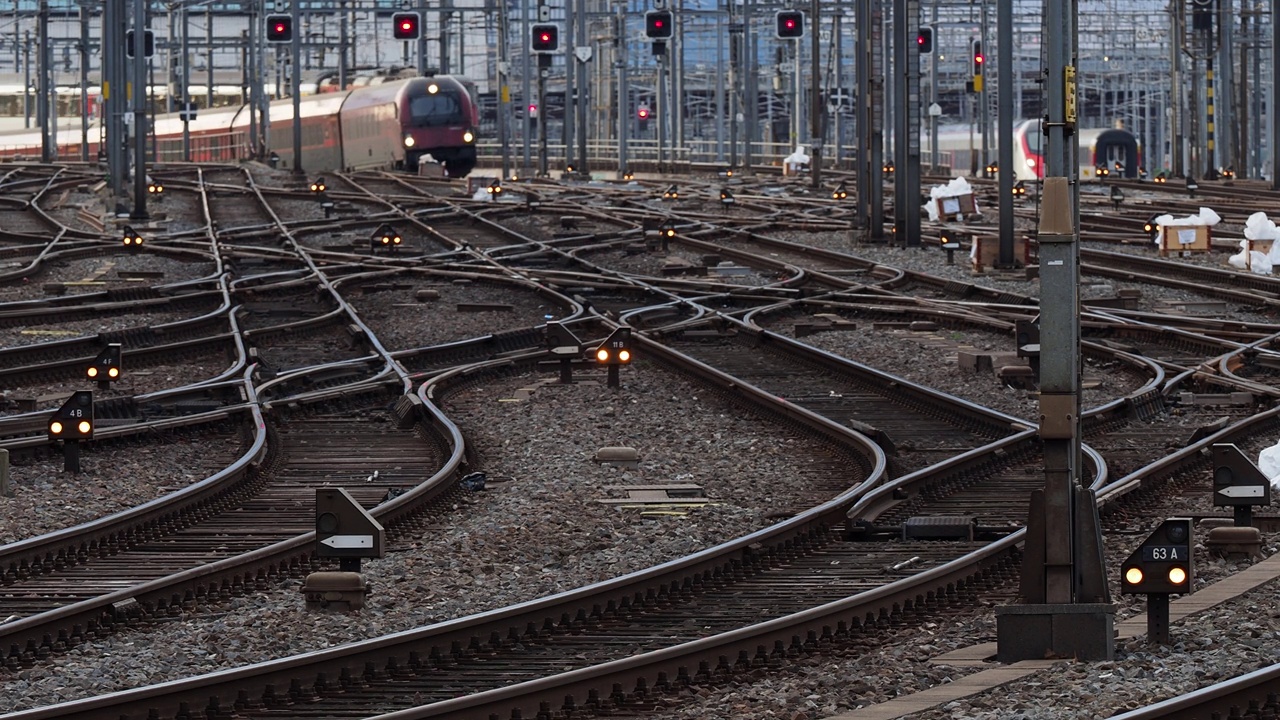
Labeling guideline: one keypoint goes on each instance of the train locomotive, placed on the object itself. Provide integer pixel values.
(1114, 148)
(400, 124)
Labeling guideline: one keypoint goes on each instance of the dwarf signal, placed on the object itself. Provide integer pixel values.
(74, 420)
(105, 368)
(387, 237)
(1160, 567)
(616, 349)
(72, 423)
(131, 237)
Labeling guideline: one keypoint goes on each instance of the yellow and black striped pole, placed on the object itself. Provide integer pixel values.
(1211, 171)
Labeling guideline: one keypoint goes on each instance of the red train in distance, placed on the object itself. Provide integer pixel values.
(396, 125)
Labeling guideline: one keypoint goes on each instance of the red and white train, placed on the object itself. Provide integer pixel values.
(1110, 147)
(398, 124)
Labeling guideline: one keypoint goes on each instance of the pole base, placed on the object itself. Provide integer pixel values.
(1083, 631)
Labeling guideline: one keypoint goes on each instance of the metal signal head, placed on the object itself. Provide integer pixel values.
(279, 28)
(545, 38)
(406, 26)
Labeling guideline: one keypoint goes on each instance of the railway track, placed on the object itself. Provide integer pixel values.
(1182, 354)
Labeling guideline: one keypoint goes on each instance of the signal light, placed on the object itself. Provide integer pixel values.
(74, 420)
(924, 40)
(1019, 190)
(545, 39)
(1162, 564)
(406, 26)
(658, 24)
(155, 188)
(106, 366)
(279, 28)
(616, 349)
(386, 237)
(789, 24)
(670, 193)
(148, 43)
(1150, 227)
(318, 186)
(131, 237)
(977, 62)
(726, 197)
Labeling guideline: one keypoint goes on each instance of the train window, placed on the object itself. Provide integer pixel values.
(443, 108)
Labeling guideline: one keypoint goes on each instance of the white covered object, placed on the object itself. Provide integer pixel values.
(798, 157)
(957, 187)
(1269, 464)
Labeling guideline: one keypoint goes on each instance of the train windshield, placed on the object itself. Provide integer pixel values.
(1034, 139)
(442, 108)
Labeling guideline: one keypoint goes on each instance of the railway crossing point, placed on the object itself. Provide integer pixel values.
(346, 531)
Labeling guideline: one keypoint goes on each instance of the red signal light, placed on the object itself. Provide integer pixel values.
(405, 26)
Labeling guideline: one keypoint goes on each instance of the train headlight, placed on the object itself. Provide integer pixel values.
(1031, 162)
(468, 136)
(433, 88)
(408, 141)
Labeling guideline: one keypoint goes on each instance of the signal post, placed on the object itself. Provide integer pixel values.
(1066, 608)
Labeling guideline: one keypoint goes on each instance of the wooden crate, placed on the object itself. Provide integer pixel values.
(957, 205)
(1179, 239)
(1262, 246)
(988, 251)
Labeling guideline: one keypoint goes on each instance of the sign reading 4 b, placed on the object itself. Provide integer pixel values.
(74, 420)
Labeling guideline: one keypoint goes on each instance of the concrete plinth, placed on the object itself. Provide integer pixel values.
(1084, 631)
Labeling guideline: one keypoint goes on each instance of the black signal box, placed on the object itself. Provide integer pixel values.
(406, 26)
(74, 420)
(616, 349)
(344, 529)
(279, 28)
(561, 341)
(1236, 480)
(105, 368)
(1162, 564)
